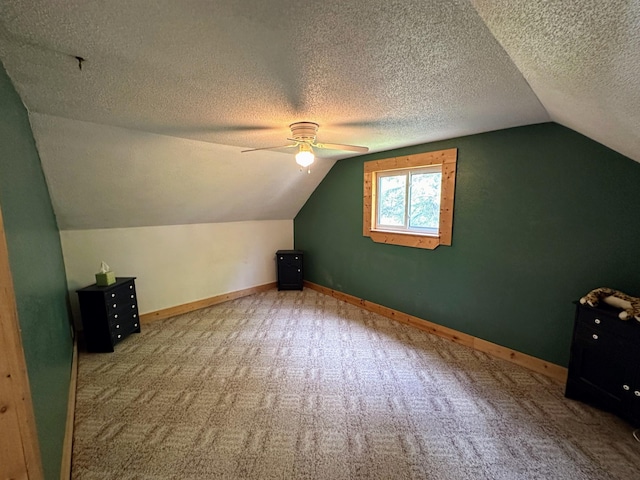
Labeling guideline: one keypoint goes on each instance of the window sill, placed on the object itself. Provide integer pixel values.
(405, 239)
(405, 232)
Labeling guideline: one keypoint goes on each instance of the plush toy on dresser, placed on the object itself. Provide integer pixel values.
(630, 305)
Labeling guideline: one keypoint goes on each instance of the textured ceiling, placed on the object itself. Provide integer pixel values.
(227, 75)
(582, 59)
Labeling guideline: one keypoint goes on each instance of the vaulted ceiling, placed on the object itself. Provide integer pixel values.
(148, 127)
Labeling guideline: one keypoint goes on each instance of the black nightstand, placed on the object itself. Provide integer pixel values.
(290, 269)
(604, 369)
(109, 314)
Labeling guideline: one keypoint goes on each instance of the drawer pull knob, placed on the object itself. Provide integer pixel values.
(597, 320)
(280, 258)
(298, 270)
(115, 316)
(130, 287)
(637, 393)
(133, 306)
(625, 387)
(296, 258)
(135, 324)
(114, 305)
(113, 295)
(135, 315)
(119, 336)
(595, 337)
(117, 326)
(131, 296)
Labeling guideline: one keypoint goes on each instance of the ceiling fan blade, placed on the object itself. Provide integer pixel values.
(338, 146)
(268, 148)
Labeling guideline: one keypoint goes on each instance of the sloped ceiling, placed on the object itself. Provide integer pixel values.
(581, 58)
(170, 92)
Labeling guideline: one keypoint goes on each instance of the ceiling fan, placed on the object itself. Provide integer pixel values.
(303, 134)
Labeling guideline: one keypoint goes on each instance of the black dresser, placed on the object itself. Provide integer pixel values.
(604, 369)
(290, 269)
(109, 314)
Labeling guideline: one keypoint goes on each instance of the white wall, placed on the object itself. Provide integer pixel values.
(178, 264)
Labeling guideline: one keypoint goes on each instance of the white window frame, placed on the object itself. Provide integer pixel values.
(408, 173)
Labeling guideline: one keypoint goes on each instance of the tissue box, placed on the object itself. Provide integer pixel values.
(105, 279)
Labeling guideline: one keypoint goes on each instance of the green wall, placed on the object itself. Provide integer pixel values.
(542, 215)
(37, 267)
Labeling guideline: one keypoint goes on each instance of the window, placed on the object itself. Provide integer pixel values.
(409, 200)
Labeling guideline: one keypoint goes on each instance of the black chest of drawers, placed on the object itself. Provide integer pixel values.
(290, 269)
(604, 369)
(109, 314)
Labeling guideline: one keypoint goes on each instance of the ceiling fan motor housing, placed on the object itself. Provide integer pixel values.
(304, 131)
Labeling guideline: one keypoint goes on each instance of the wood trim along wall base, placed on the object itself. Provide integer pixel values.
(556, 372)
(206, 302)
(67, 448)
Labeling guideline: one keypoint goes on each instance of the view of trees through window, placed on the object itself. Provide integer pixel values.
(410, 200)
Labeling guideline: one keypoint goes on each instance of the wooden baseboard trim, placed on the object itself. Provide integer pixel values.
(556, 372)
(67, 447)
(206, 302)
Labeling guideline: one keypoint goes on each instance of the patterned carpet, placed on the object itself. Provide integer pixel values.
(298, 385)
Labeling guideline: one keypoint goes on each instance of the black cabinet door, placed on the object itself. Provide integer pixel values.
(597, 368)
(630, 388)
(290, 269)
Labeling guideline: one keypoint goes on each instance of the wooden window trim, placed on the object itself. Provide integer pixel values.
(448, 159)
(19, 448)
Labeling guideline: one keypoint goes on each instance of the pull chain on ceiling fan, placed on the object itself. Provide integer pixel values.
(303, 134)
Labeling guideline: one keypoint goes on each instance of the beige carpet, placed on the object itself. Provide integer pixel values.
(297, 385)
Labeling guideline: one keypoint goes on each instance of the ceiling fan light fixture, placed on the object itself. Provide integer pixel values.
(305, 156)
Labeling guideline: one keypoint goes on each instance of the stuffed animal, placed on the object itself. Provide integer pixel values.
(630, 305)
